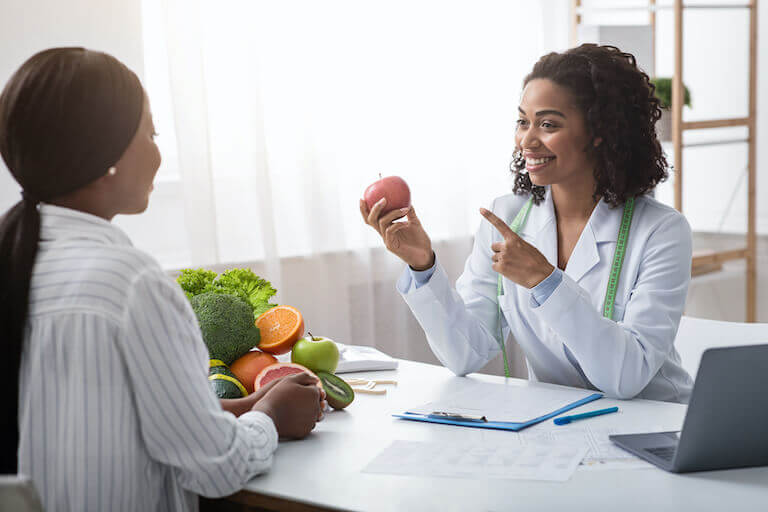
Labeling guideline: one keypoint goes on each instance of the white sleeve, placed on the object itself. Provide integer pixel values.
(621, 358)
(181, 419)
(461, 324)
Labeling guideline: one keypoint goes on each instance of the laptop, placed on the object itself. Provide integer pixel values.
(725, 425)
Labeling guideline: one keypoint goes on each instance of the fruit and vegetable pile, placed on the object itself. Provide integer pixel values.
(244, 332)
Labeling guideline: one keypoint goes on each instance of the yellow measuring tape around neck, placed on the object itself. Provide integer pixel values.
(613, 278)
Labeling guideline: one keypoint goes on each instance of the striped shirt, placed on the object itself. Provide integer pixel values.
(115, 411)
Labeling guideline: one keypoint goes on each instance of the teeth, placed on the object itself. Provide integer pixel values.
(539, 161)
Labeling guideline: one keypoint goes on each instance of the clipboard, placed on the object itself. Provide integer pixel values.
(497, 425)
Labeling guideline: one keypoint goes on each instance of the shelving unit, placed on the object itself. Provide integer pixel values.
(704, 261)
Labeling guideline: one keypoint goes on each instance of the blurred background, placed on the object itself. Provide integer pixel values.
(275, 116)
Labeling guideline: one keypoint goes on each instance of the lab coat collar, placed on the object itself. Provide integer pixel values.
(540, 217)
(603, 226)
(605, 221)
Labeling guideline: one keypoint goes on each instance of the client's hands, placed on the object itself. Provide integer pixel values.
(295, 403)
(238, 406)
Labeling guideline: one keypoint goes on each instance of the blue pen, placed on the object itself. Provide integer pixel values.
(567, 419)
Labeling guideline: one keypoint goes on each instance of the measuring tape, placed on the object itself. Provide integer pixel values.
(613, 278)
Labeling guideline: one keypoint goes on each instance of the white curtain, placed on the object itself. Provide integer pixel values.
(275, 116)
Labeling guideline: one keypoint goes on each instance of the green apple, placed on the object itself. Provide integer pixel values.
(318, 353)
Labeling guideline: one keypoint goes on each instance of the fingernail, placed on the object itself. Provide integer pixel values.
(405, 210)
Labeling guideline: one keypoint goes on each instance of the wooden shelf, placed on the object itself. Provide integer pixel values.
(656, 8)
(700, 270)
(708, 257)
(704, 262)
(715, 123)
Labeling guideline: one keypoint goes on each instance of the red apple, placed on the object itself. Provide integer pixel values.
(394, 188)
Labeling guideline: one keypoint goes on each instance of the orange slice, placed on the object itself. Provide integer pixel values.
(280, 327)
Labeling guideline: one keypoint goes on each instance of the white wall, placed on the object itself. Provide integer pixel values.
(715, 72)
(28, 26)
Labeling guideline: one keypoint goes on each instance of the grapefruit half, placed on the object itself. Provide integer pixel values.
(278, 370)
(250, 365)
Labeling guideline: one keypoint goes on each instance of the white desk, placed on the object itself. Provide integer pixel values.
(324, 470)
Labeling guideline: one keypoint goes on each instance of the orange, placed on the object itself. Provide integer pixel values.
(280, 327)
(250, 365)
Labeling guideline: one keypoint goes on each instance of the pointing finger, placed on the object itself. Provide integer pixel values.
(499, 224)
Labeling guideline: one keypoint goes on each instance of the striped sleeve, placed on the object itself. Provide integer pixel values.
(181, 420)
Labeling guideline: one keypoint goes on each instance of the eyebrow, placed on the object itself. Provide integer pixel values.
(544, 113)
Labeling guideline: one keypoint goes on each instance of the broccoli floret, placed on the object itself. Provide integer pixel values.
(226, 322)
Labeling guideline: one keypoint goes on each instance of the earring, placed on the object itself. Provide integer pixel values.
(112, 171)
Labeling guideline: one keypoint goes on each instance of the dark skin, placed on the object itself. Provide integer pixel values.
(552, 134)
(238, 406)
(294, 403)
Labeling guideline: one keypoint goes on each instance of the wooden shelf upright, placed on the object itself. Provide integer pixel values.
(704, 261)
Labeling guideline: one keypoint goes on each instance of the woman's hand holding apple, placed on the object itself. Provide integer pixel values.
(407, 240)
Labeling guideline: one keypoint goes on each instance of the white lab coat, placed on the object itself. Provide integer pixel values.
(631, 356)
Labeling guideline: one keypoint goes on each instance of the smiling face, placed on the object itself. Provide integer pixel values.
(552, 135)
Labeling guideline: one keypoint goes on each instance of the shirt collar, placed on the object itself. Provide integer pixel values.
(59, 224)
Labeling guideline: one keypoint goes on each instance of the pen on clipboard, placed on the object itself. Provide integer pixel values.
(442, 415)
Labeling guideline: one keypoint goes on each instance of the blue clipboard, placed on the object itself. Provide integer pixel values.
(498, 425)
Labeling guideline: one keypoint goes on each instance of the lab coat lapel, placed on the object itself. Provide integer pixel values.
(603, 226)
(540, 229)
(584, 256)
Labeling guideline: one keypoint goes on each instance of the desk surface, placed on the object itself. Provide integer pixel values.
(324, 470)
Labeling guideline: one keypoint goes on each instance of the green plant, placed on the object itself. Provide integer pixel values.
(664, 92)
(240, 282)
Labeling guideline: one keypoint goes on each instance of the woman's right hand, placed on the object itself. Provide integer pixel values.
(407, 240)
(295, 403)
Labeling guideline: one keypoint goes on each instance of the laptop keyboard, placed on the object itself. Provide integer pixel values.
(662, 452)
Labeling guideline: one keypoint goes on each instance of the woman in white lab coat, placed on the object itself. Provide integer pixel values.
(594, 271)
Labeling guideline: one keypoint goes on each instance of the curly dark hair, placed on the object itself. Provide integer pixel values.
(619, 106)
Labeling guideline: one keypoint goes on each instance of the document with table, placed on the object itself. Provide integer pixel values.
(549, 452)
(511, 460)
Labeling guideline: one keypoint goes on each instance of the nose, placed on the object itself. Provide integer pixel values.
(529, 139)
